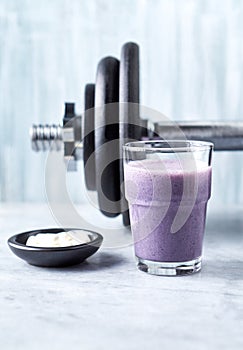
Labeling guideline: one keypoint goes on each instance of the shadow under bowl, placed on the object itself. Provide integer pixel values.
(54, 257)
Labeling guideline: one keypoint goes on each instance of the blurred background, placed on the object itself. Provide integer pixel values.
(191, 69)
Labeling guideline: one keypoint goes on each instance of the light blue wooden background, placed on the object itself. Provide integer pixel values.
(191, 68)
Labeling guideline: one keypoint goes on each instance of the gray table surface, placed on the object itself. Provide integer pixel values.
(106, 303)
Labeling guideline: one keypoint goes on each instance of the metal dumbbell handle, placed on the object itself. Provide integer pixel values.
(225, 136)
(46, 137)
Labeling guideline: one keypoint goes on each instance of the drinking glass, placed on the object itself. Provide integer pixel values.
(167, 186)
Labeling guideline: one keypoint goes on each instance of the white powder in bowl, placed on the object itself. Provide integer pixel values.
(60, 239)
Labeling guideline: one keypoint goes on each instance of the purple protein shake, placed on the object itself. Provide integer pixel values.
(167, 207)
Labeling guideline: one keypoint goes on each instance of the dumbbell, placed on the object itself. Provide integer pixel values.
(111, 117)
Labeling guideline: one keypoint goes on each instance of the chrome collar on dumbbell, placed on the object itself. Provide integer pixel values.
(58, 137)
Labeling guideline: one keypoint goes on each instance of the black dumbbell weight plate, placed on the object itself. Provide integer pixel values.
(88, 139)
(107, 136)
(129, 105)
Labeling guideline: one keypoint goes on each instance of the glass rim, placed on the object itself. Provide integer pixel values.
(190, 146)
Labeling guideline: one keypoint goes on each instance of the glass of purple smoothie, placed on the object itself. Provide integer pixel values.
(167, 186)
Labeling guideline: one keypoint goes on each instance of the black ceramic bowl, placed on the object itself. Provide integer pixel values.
(54, 257)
